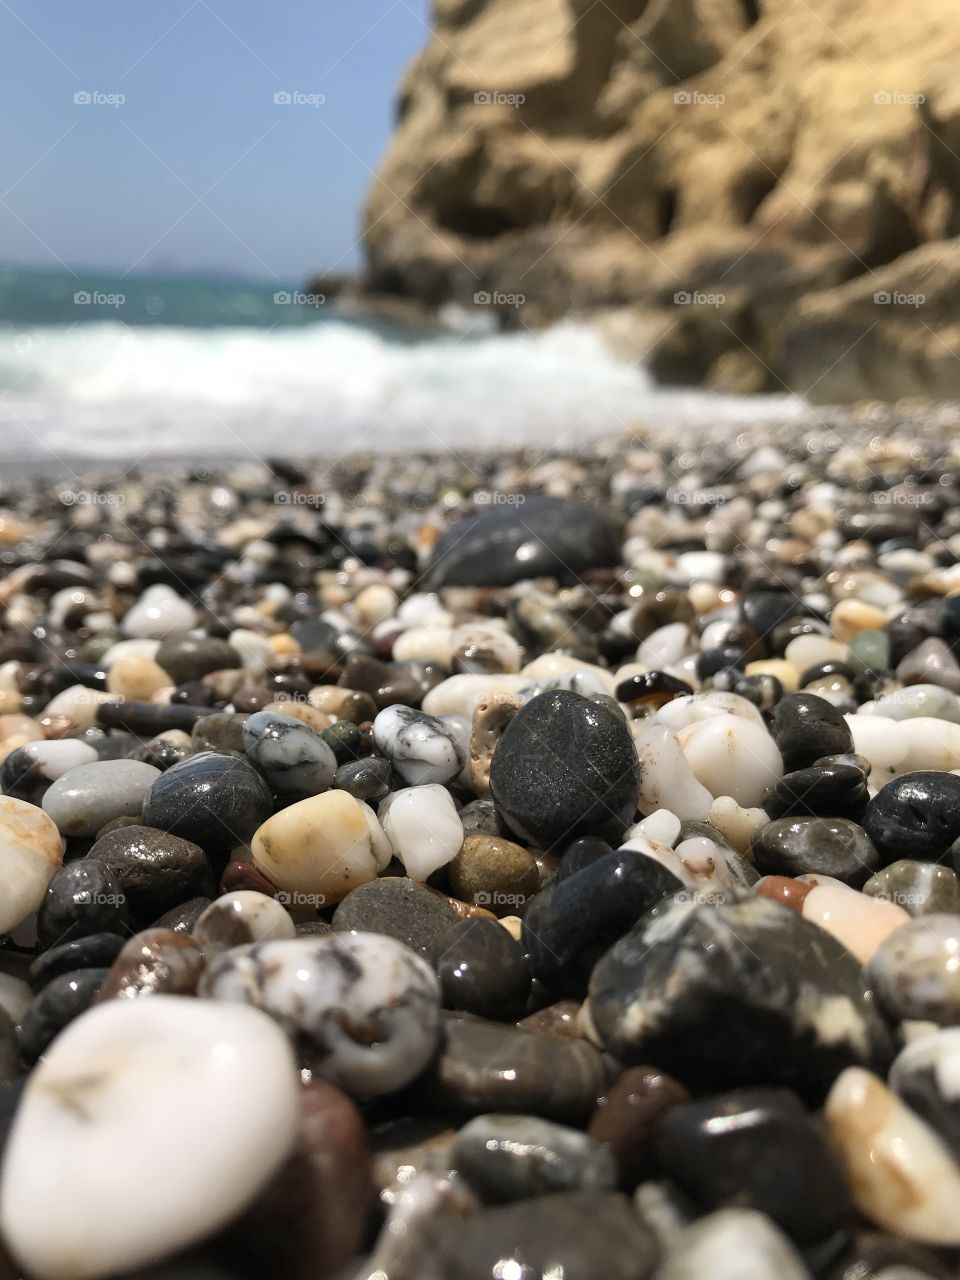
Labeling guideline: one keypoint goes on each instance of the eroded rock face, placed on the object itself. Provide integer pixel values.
(611, 156)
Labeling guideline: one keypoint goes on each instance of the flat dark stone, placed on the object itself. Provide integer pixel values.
(61, 1000)
(915, 816)
(806, 727)
(399, 908)
(482, 970)
(156, 870)
(97, 950)
(823, 846)
(216, 801)
(82, 898)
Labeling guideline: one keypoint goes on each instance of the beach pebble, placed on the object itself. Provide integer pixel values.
(59, 1002)
(916, 816)
(158, 961)
(293, 758)
(86, 798)
(490, 718)
(921, 888)
(483, 649)
(901, 1175)
(155, 870)
(806, 728)
(241, 917)
(627, 1114)
(741, 991)
(398, 908)
(217, 801)
(82, 898)
(96, 951)
(482, 970)
(505, 1157)
(835, 847)
(159, 612)
(367, 779)
(78, 704)
(565, 766)
(27, 772)
(421, 748)
(31, 852)
(149, 1080)
(191, 657)
(666, 779)
(423, 827)
(861, 923)
(137, 677)
(362, 1009)
(732, 756)
(321, 847)
(495, 873)
(916, 971)
(926, 1075)
(732, 1244)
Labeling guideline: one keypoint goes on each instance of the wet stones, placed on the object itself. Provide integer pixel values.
(399, 908)
(834, 847)
(926, 1075)
(88, 797)
(741, 992)
(565, 766)
(31, 852)
(494, 873)
(916, 815)
(362, 1009)
(216, 801)
(626, 1117)
(921, 888)
(239, 918)
(482, 970)
(28, 772)
(96, 951)
(293, 758)
(756, 1149)
(61, 1000)
(189, 657)
(158, 961)
(423, 828)
(916, 970)
(421, 748)
(807, 728)
(83, 898)
(156, 871)
(732, 1244)
(505, 1157)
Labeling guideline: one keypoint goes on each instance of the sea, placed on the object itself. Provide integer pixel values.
(109, 368)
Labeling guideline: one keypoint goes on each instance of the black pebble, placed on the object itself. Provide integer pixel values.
(806, 727)
(157, 871)
(93, 952)
(482, 970)
(61, 1000)
(214, 800)
(82, 898)
(915, 816)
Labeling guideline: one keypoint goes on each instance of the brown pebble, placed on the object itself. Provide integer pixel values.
(560, 1019)
(251, 699)
(494, 873)
(154, 962)
(626, 1114)
(490, 719)
(785, 890)
(244, 875)
(56, 726)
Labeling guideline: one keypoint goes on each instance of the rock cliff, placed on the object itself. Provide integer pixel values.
(730, 181)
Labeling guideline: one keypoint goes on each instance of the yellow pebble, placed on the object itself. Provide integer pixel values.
(284, 645)
(10, 701)
(301, 711)
(850, 617)
(786, 672)
(137, 678)
(513, 926)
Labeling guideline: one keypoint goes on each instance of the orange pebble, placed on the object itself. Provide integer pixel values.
(783, 889)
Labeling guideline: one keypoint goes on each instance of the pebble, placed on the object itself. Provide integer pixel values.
(293, 758)
(221, 732)
(732, 756)
(82, 898)
(156, 871)
(627, 1115)
(833, 847)
(159, 612)
(137, 677)
(861, 923)
(86, 798)
(97, 950)
(182, 918)
(732, 1244)
(901, 1175)
(482, 970)
(495, 873)
(736, 992)
(806, 728)
(191, 657)
(215, 801)
(505, 1157)
(421, 748)
(926, 1075)
(367, 779)
(158, 961)
(423, 828)
(921, 888)
(321, 848)
(123, 1093)
(27, 772)
(239, 918)
(718, 1149)
(835, 787)
(362, 1009)
(31, 852)
(666, 779)
(917, 815)
(565, 766)
(59, 1002)
(491, 716)
(398, 908)
(916, 970)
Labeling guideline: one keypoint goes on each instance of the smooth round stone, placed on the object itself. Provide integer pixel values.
(869, 651)
(861, 923)
(927, 700)
(756, 1149)
(239, 918)
(543, 537)
(732, 756)
(31, 851)
(903, 1178)
(97, 951)
(155, 870)
(482, 970)
(806, 728)
(926, 1075)
(61, 1000)
(182, 918)
(627, 1114)
(27, 772)
(666, 779)
(423, 827)
(363, 1010)
(123, 1093)
(222, 732)
(568, 926)
(506, 1157)
(400, 908)
(492, 1066)
(829, 846)
(916, 815)
(482, 818)
(836, 789)
(931, 662)
(83, 898)
(190, 657)
(741, 992)
(137, 677)
(732, 1244)
(921, 888)
(321, 848)
(293, 758)
(565, 766)
(916, 971)
(216, 801)
(159, 612)
(420, 747)
(494, 873)
(344, 739)
(156, 961)
(367, 779)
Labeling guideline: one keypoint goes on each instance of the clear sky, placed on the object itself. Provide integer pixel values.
(197, 167)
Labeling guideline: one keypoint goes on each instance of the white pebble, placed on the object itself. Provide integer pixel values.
(424, 828)
(31, 852)
(732, 756)
(159, 612)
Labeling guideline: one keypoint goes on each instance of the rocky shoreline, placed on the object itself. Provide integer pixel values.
(487, 866)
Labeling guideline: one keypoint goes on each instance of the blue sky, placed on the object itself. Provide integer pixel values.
(197, 167)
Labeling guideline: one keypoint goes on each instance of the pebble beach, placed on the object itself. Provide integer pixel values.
(505, 865)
